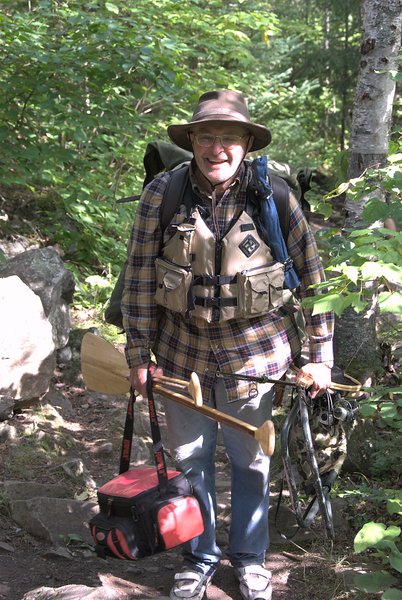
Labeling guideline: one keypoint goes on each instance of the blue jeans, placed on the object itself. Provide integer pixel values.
(192, 439)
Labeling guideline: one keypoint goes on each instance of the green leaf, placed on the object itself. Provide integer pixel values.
(395, 560)
(374, 582)
(375, 210)
(368, 409)
(392, 594)
(370, 270)
(341, 189)
(351, 272)
(373, 534)
(394, 158)
(355, 299)
(390, 302)
(330, 302)
(394, 506)
(112, 8)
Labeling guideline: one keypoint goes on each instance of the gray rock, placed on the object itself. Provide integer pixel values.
(105, 449)
(6, 407)
(54, 519)
(7, 432)
(74, 592)
(43, 271)
(57, 400)
(25, 490)
(76, 469)
(7, 548)
(64, 355)
(27, 349)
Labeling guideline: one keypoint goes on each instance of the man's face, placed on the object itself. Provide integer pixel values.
(219, 162)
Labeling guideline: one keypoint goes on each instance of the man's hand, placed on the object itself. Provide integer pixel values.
(138, 378)
(319, 374)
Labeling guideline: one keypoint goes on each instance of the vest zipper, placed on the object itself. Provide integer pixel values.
(260, 267)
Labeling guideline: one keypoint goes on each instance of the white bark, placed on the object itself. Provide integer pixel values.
(375, 90)
(355, 342)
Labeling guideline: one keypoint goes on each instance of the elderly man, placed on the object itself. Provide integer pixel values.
(187, 301)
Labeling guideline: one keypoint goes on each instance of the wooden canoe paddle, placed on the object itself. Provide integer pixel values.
(104, 369)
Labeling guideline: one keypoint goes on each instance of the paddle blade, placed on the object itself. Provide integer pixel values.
(104, 369)
(265, 435)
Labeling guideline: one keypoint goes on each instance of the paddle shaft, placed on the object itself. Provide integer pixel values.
(217, 415)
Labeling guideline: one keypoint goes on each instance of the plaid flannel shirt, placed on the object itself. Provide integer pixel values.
(258, 346)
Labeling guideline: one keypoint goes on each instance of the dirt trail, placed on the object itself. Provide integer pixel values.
(304, 572)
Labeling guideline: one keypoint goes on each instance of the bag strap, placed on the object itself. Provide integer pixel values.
(157, 446)
(127, 442)
(159, 455)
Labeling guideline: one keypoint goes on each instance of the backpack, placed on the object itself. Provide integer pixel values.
(271, 183)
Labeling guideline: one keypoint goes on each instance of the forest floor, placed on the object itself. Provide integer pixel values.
(306, 568)
(312, 568)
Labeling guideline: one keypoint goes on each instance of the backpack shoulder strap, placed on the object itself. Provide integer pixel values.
(174, 193)
(280, 192)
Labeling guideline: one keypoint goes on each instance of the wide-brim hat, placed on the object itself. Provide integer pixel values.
(217, 106)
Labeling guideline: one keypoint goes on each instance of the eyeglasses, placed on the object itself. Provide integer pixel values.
(207, 140)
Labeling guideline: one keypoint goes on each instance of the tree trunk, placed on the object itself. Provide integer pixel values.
(375, 90)
(344, 107)
(355, 347)
(355, 343)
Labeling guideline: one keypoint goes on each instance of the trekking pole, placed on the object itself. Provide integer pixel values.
(264, 379)
(321, 500)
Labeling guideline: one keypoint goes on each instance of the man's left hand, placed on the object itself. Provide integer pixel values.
(319, 373)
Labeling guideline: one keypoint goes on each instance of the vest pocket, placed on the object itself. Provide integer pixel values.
(172, 285)
(260, 290)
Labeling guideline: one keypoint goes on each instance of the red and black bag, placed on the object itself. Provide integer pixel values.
(144, 510)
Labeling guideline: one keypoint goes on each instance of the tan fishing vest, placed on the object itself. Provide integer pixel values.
(235, 278)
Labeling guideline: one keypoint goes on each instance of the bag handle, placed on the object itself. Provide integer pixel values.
(157, 446)
(127, 442)
(159, 455)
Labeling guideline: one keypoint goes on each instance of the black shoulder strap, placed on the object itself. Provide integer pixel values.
(280, 192)
(173, 195)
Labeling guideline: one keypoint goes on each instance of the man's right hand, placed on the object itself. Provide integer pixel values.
(138, 378)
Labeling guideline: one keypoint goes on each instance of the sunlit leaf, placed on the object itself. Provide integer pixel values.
(390, 302)
(351, 272)
(112, 8)
(332, 302)
(395, 158)
(373, 534)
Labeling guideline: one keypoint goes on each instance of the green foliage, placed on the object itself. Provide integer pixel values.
(387, 543)
(85, 86)
(385, 405)
(365, 262)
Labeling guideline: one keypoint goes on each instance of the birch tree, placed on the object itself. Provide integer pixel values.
(375, 89)
(355, 341)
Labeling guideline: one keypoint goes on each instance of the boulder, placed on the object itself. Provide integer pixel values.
(54, 519)
(43, 271)
(27, 348)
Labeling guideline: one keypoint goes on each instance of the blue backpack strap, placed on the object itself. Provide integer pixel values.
(271, 223)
